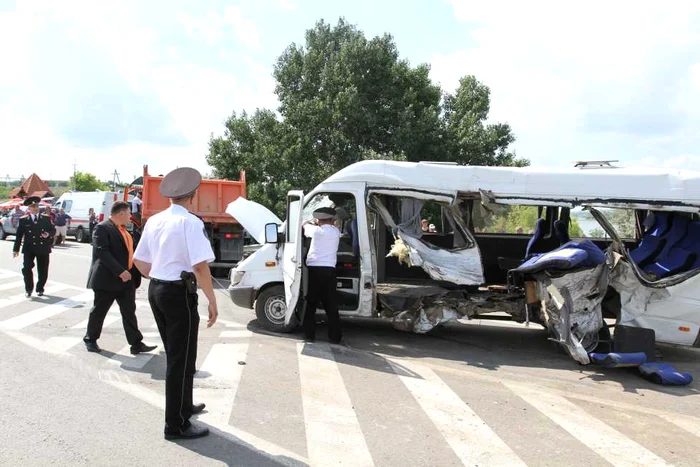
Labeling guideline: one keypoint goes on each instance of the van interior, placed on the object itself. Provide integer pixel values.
(660, 243)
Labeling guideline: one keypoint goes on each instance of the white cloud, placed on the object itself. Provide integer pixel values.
(214, 27)
(287, 5)
(584, 80)
(197, 97)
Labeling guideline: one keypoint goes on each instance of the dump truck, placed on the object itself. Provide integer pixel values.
(224, 232)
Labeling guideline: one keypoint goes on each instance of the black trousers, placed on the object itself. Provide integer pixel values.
(175, 312)
(104, 299)
(42, 263)
(322, 289)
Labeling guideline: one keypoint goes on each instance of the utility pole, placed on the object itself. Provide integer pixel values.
(75, 172)
(115, 179)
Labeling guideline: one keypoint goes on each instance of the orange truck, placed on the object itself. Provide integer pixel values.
(212, 198)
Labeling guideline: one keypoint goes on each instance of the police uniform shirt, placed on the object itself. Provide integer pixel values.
(324, 245)
(173, 241)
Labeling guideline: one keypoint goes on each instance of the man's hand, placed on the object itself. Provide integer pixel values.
(213, 314)
(15, 254)
(125, 276)
(44, 235)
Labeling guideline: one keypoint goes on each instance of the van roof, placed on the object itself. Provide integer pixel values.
(629, 187)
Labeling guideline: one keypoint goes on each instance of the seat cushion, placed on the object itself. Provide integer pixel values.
(663, 373)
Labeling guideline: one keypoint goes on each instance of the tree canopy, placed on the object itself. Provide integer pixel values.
(346, 98)
(84, 181)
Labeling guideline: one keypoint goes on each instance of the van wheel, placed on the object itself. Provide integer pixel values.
(80, 236)
(270, 308)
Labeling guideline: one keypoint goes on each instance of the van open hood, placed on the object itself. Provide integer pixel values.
(253, 217)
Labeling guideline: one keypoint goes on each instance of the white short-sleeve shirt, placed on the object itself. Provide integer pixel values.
(324, 245)
(173, 241)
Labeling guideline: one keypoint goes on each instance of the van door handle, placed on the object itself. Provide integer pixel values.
(293, 259)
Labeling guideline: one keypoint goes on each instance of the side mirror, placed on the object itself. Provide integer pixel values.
(271, 233)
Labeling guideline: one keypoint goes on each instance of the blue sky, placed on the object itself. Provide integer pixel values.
(115, 85)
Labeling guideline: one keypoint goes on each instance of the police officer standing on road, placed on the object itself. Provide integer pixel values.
(174, 253)
(37, 231)
(320, 262)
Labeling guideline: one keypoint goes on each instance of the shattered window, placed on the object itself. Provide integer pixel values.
(434, 223)
(623, 220)
(504, 219)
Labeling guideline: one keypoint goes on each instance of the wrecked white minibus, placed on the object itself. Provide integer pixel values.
(640, 273)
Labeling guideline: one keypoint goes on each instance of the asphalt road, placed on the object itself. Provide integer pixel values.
(481, 394)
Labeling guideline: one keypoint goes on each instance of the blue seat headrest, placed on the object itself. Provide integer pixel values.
(537, 235)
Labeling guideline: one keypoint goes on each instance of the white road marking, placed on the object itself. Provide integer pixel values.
(686, 422)
(218, 379)
(12, 285)
(124, 358)
(40, 314)
(333, 432)
(19, 298)
(238, 333)
(606, 441)
(6, 273)
(61, 344)
(467, 434)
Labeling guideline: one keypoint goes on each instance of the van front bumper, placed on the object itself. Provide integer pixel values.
(242, 296)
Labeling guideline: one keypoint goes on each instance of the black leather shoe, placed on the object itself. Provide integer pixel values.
(197, 408)
(41, 294)
(190, 433)
(141, 348)
(92, 347)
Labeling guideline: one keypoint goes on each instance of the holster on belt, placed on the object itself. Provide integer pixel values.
(190, 281)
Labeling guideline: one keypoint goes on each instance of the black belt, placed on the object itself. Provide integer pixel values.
(179, 282)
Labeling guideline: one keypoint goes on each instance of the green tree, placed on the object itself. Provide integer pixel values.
(84, 181)
(346, 98)
(5, 192)
(470, 139)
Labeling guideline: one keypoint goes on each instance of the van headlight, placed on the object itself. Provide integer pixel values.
(237, 277)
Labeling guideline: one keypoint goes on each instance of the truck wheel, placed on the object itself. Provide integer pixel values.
(270, 308)
(80, 236)
(3, 234)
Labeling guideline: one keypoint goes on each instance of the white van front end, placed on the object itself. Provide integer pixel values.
(253, 274)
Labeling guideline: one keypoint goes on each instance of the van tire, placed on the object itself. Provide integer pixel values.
(270, 307)
(80, 236)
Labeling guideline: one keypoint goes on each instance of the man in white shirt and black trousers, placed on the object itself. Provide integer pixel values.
(174, 253)
(320, 261)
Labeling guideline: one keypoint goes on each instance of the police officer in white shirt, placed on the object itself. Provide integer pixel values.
(320, 262)
(173, 252)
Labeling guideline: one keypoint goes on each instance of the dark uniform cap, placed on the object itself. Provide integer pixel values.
(324, 213)
(180, 183)
(31, 200)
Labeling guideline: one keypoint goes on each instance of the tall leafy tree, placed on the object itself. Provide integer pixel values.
(84, 181)
(346, 98)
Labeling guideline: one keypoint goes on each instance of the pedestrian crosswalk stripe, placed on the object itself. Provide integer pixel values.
(5, 274)
(133, 362)
(40, 314)
(688, 423)
(218, 379)
(333, 433)
(19, 298)
(237, 333)
(606, 441)
(12, 285)
(61, 344)
(466, 433)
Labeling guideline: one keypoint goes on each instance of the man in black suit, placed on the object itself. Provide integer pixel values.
(37, 231)
(113, 277)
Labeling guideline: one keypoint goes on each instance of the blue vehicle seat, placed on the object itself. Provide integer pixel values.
(569, 256)
(561, 229)
(654, 241)
(537, 237)
(663, 373)
(683, 256)
(661, 223)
